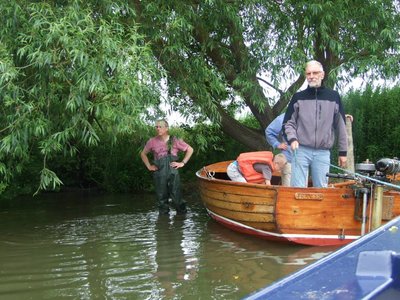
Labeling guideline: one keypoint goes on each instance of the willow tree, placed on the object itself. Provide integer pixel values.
(225, 55)
(68, 70)
(71, 69)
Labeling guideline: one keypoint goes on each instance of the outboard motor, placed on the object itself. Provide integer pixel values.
(388, 166)
(366, 168)
(368, 172)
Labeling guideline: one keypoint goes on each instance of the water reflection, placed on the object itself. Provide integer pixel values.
(176, 256)
(246, 262)
(107, 247)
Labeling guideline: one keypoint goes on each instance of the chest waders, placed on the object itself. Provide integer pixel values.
(168, 185)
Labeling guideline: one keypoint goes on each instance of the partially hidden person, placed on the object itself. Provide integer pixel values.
(274, 137)
(312, 120)
(165, 166)
(256, 167)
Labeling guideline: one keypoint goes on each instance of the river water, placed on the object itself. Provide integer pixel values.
(85, 246)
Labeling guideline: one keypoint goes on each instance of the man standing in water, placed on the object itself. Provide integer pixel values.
(165, 150)
(313, 118)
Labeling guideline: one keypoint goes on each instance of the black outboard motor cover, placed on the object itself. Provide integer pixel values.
(388, 166)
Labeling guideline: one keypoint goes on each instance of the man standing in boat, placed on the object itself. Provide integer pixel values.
(274, 136)
(313, 118)
(165, 150)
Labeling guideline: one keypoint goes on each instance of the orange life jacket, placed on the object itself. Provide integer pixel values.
(246, 161)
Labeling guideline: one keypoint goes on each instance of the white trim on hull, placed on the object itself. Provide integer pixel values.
(304, 239)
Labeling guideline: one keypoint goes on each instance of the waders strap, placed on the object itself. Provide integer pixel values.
(169, 144)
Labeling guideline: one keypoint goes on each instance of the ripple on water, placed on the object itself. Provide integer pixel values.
(100, 249)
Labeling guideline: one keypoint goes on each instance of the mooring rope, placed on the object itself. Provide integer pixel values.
(209, 174)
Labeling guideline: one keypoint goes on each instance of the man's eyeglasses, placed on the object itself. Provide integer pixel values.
(158, 126)
(313, 73)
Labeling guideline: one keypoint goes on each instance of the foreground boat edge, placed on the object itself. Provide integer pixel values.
(364, 279)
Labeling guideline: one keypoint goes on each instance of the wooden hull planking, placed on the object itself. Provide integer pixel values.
(308, 216)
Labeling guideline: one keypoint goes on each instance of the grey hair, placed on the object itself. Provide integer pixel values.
(314, 62)
(280, 157)
(163, 121)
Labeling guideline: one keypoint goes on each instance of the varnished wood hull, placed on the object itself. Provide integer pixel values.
(309, 216)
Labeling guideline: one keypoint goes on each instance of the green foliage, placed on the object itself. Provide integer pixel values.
(69, 70)
(376, 128)
(211, 145)
(78, 77)
(214, 52)
(116, 166)
(48, 179)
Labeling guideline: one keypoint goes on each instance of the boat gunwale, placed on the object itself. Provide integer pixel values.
(263, 186)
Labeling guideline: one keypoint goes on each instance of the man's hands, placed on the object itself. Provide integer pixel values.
(152, 168)
(294, 145)
(343, 161)
(282, 146)
(176, 164)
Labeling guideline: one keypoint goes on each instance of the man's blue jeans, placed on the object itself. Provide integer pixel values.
(316, 159)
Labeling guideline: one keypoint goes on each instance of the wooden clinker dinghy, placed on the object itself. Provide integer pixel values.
(335, 215)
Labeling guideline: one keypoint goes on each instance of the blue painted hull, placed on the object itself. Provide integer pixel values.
(368, 268)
